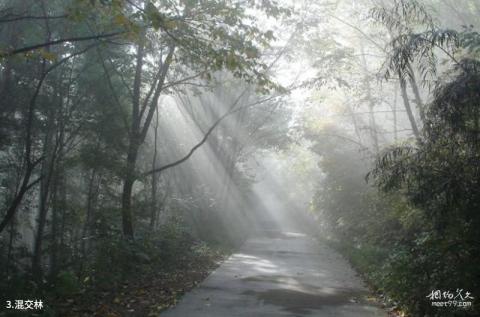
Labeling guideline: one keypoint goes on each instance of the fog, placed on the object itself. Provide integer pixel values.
(281, 141)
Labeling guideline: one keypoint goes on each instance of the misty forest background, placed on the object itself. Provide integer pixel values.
(141, 141)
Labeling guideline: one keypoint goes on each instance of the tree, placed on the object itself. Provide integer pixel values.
(184, 33)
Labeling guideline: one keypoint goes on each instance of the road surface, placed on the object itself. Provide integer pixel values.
(280, 274)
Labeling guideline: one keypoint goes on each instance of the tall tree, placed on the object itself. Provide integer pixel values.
(199, 38)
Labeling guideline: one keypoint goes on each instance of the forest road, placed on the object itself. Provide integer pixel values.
(280, 274)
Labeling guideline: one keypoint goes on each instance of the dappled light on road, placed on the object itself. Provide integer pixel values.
(280, 274)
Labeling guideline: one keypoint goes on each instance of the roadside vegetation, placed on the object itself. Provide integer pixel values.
(406, 214)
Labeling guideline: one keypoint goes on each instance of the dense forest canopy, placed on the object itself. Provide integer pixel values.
(145, 137)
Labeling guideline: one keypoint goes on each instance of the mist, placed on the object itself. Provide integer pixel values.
(239, 158)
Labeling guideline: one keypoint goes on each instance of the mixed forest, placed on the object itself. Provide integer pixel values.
(134, 133)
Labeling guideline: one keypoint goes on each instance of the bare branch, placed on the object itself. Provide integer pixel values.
(16, 17)
(59, 41)
(233, 109)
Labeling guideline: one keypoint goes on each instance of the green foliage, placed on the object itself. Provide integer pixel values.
(420, 232)
(168, 248)
(440, 179)
(67, 77)
(417, 38)
(174, 240)
(66, 284)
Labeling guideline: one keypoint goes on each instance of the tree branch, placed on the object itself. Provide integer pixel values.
(30, 17)
(233, 109)
(59, 41)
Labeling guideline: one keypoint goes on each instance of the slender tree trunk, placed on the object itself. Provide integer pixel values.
(54, 227)
(153, 210)
(47, 170)
(129, 180)
(29, 164)
(373, 124)
(139, 132)
(41, 222)
(406, 103)
(161, 206)
(371, 106)
(25, 186)
(59, 204)
(63, 216)
(10, 245)
(355, 122)
(394, 111)
(133, 142)
(89, 208)
(87, 226)
(416, 92)
(7, 76)
(58, 186)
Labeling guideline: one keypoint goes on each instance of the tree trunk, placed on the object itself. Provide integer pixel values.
(129, 180)
(373, 124)
(133, 143)
(153, 206)
(416, 93)
(59, 200)
(371, 106)
(10, 245)
(87, 226)
(47, 171)
(406, 103)
(59, 204)
(29, 165)
(138, 132)
(394, 111)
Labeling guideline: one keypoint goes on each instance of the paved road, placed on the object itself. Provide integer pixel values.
(282, 274)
